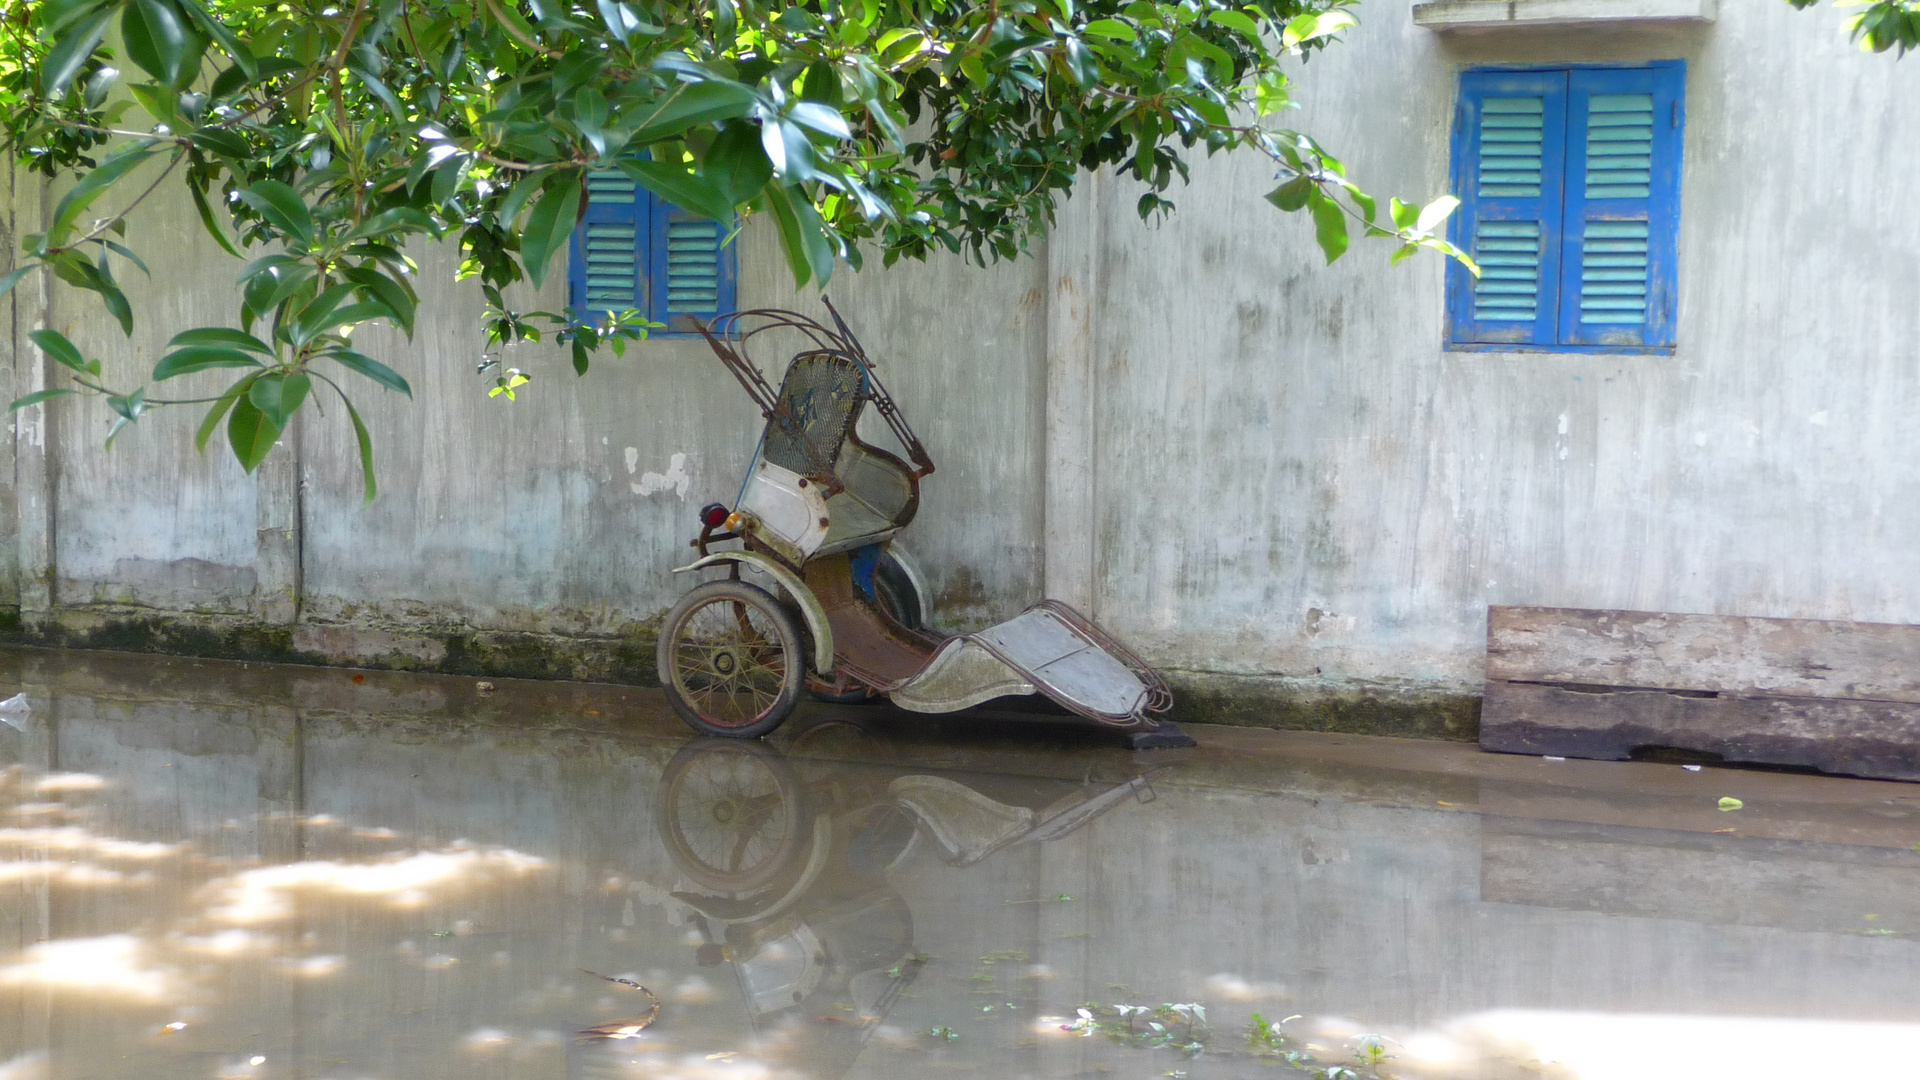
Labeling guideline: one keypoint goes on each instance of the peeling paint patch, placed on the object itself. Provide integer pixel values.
(676, 476)
(633, 459)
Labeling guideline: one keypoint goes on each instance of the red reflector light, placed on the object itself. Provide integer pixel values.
(713, 515)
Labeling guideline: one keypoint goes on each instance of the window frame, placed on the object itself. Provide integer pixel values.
(651, 216)
(1560, 305)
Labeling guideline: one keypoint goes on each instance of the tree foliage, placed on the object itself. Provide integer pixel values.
(318, 137)
(1880, 25)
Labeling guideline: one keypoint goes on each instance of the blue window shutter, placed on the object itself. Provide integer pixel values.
(691, 269)
(1509, 164)
(1617, 264)
(603, 268)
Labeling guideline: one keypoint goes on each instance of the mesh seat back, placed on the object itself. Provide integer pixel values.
(819, 402)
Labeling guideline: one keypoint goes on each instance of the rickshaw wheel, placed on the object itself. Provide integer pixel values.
(730, 659)
(732, 813)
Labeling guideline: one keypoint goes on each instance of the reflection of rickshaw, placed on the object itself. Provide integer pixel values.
(843, 609)
(789, 857)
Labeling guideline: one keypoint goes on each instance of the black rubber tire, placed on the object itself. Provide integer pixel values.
(896, 594)
(741, 629)
(732, 814)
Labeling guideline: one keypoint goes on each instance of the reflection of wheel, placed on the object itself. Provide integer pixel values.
(730, 659)
(731, 814)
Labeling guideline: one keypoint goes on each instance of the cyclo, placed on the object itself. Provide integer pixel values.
(843, 613)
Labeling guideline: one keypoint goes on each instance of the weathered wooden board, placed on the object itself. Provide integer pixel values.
(1729, 654)
(1837, 696)
(1861, 738)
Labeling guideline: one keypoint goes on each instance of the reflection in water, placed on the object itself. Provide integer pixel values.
(206, 872)
(792, 853)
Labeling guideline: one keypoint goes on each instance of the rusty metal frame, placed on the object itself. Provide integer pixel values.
(731, 336)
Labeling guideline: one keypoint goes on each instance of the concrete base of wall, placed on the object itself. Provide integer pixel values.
(1200, 697)
(451, 650)
(1271, 701)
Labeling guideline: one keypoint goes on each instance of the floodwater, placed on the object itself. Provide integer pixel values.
(242, 871)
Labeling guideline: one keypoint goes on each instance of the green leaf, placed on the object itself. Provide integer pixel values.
(307, 321)
(1404, 214)
(822, 118)
(680, 187)
(550, 224)
(366, 450)
(219, 409)
(802, 234)
(222, 337)
(516, 200)
(57, 15)
(39, 396)
(390, 293)
(1119, 31)
(73, 268)
(129, 407)
(161, 42)
(69, 54)
(397, 220)
(93, 185)
(278, 396)
(1236, 21)
(380, 90)
(1728, 802)
(1329, 224)
(736, 163)
(689, 105)
(1435, 212)
(1291, 195)
(217, 30)
(250, 433)
(200, 358)
(60, 350)
(371, 368)
(283, 208)
(13, 277)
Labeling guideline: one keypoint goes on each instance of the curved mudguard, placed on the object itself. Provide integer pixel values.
(810, 607)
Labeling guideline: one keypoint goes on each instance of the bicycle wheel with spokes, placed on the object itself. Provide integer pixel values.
(730, 659)
(732, 814)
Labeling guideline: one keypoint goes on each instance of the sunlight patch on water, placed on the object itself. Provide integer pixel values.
(113, 966)
(265, 894)
(72, 839)
(1612, 1046)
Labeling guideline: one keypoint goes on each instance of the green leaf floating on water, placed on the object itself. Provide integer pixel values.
(1728, 802)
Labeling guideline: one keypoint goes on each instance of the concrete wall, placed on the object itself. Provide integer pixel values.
(1267, 474)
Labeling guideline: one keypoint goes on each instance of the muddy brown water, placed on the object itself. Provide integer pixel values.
(246, 871)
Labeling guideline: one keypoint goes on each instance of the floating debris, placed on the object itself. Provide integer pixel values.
(628, 1028)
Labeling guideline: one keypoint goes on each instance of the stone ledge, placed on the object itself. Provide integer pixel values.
(1486, 14)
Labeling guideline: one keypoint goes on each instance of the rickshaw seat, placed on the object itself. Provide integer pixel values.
(812, 435)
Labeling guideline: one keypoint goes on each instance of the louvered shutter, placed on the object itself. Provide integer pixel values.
(603, 273)
(1622, 206)
(692, 268)
(1508, 170)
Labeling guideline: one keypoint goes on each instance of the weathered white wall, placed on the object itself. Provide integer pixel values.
(1296, 478)
(1252, 466)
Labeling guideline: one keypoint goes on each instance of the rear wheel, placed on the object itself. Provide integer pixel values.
(730, 659)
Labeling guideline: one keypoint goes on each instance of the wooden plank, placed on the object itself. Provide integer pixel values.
(1861, 738)
(1730, 654)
